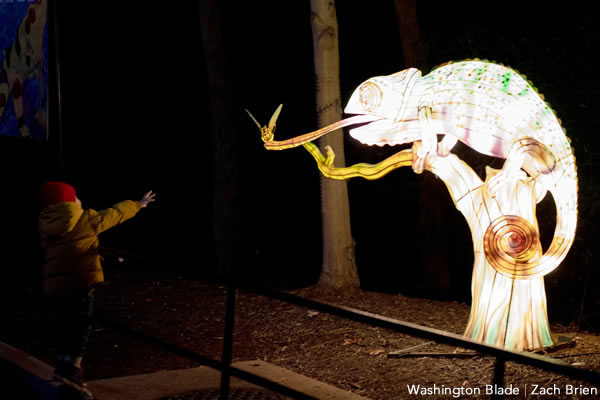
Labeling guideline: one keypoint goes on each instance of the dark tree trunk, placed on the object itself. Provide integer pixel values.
(226, 197)
(413, 49)
(433, 214)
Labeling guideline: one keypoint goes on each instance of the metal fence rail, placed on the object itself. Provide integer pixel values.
(439, 336)
(535, 360)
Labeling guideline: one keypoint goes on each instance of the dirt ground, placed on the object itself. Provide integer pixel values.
(346, 354)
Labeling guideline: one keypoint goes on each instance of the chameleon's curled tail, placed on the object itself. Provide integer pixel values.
(511, 244)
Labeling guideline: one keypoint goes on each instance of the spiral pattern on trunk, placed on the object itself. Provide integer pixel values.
(509, 243)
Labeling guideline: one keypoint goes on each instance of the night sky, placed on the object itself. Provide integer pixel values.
(136, 117)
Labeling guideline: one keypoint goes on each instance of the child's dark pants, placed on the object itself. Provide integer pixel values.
(73, 316)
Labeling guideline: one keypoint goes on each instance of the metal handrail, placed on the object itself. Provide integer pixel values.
(532, 359)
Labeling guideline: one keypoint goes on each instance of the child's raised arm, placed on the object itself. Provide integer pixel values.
(120, 212)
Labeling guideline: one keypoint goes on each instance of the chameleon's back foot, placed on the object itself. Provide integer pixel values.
(445, 146)
(495, 182)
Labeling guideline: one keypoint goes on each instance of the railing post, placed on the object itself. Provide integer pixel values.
(227, 343)
(498, 379)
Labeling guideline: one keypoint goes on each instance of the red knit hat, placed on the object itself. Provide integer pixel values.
(56, 192)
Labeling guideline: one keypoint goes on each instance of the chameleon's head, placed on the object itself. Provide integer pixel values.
(385, 98)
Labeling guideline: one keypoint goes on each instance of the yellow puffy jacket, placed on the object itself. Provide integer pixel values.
(69, 237)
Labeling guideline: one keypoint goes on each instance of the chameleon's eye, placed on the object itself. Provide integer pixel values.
(370, 96)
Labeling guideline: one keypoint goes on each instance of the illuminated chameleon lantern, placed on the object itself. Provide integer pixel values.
(494, 111)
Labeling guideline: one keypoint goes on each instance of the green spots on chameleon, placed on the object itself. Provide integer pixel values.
(478, 73)
(505, 81)
(524, 92)
(547, 111)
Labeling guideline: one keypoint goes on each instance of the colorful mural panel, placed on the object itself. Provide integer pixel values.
(24, 69)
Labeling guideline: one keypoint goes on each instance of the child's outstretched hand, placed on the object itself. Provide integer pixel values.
(148, 198)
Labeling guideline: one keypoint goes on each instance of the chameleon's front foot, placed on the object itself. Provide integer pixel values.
(428, 143)
(420, 155)
(418, 163)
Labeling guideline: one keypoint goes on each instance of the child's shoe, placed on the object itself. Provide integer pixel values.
(67, 371)
(71, 377)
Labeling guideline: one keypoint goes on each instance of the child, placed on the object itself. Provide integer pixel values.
(72, 268)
